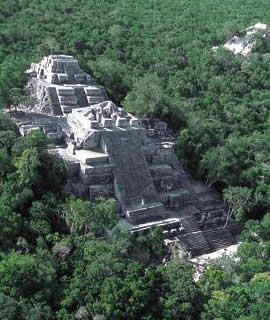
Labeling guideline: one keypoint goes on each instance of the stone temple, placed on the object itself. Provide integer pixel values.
(109, 152)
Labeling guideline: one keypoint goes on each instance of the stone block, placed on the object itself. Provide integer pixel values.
(158, 159)
(92, 161)
(100, 190)
(142, 135)
(62, 78)
(122, 122)
(150, 132)
(97, 178)
(164, 198)
(92, 141)
(87, 170)
(65, 91)
(107, 122)
(92, 91)
(94, 125)
(80, 78)
(135, 123)
(161, 170)
(73, 168)
(160, 125)
(179, 199)
(167, 183)
(68, 100)
(66, 109)
(95, 100)
(56, 137)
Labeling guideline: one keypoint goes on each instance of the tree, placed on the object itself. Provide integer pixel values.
(53, 172)
(214, 278)
(35, 139)
(84, 216)
(28, 166)
(243, 301)
(7, 139)
(35, 310)
(5, 162)
(148, 97)
(240, 202)
(9, 308)
(111, 75)
(40, 219)
(10, 223)
(180, 298)
(17, 97)
(26, 276)
(49, 43)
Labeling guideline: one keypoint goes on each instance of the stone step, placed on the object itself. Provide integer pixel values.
(80, 78)
(180, 197)
(160, 170)
(146, 213)
(219, 238)
(69, 108)
(170, 227)
(98, 169)
(94, 161)
(185, 227)
(101, 190)
(195, 243)
(65, 91)
(93, 91)
(190, 224)
(62, 77)
(95, 100)
(164, 198)
(68, 100)
(55, 69)
(97, 178)
(66, 109)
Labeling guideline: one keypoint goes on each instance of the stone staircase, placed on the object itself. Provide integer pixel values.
(219, 238)
(54, 101)
(195, 242)
(80, 94)
(134, 185)
(94, 95)
(144, 214)
(71, 68)
(67, 98)
(190, 224)
(97, 171)
(200, 242)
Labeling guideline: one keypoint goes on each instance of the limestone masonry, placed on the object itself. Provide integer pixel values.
(109, 152)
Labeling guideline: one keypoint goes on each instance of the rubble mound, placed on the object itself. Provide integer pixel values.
(109, 152)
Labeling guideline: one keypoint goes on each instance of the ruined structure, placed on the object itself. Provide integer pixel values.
(243, 43)
(109, 152)
(60, 85)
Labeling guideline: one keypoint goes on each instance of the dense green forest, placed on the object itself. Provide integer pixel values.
(154, 58)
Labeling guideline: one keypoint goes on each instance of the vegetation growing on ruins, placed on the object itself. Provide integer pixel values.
(154, 57)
